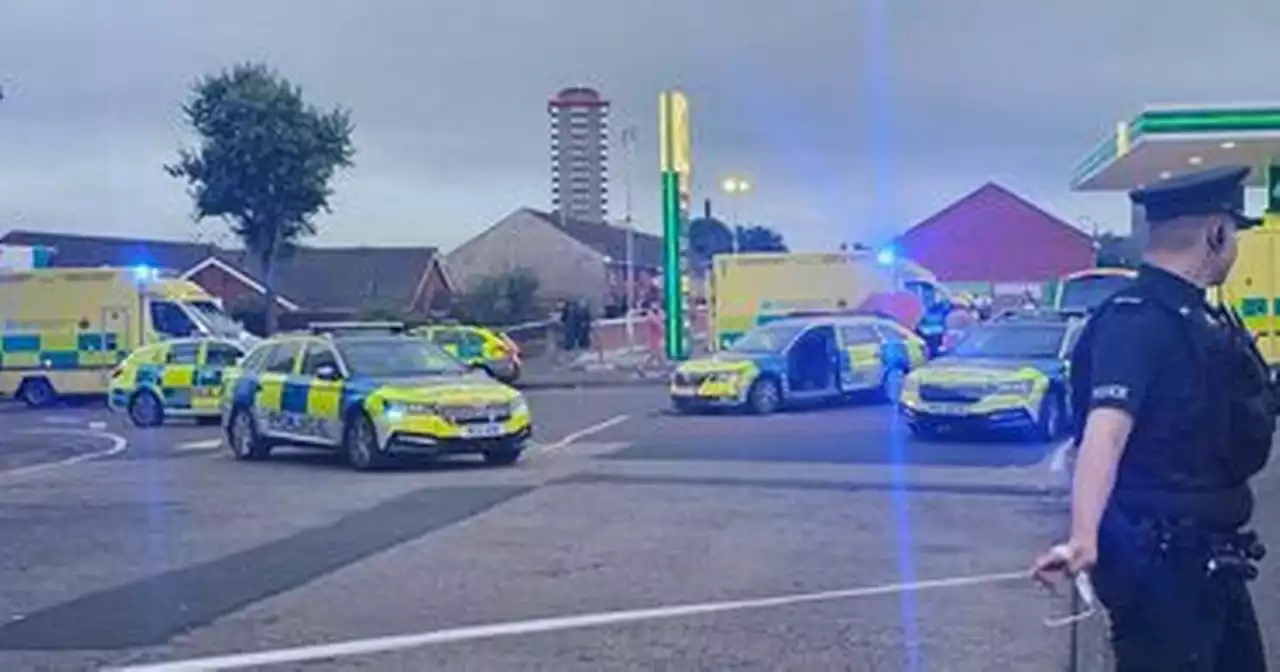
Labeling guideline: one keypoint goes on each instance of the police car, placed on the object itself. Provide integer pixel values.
(370, 391)
(481, 347)
(1009, 373)
(180, 378)
(800, 359)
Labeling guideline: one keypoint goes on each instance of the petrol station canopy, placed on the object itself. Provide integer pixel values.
(1166, 140)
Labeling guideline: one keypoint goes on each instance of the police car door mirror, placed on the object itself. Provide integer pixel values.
(328, 372)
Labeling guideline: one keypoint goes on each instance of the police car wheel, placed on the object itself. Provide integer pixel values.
(146, 409)
(243, 437)
(1049, 425)
(765, 396)
(360, 441)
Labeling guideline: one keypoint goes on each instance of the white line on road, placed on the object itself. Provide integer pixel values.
(118, 445)
(205, 444)
(582, 434)
(360, 647)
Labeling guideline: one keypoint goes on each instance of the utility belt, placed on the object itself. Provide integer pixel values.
(1187, 542)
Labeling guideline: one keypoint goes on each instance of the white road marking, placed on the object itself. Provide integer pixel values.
(361, 647)
(98, 426)
(118, 445)
(581, 434)
(205, 444)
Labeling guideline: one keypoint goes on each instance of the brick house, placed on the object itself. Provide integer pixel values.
(328, 282)
(995, 242)
(572, 259)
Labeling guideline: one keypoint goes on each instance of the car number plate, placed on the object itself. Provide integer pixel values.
(485, 431)
(949, 409)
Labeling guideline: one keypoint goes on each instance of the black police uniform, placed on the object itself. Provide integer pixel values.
(1173, 558)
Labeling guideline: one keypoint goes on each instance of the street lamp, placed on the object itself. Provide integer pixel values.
(736, 188)
(628, 154)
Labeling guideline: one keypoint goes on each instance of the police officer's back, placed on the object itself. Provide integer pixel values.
(1175, 413)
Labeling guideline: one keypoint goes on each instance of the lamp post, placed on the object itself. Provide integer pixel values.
(736, 188)
(628, 139)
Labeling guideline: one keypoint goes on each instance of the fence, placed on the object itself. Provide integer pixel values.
(544, 337)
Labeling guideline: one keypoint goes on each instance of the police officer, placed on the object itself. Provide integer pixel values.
(1175, 412)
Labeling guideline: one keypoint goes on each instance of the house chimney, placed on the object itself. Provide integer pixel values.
(706, 208)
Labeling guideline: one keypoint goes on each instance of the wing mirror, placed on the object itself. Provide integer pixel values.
(328, 372)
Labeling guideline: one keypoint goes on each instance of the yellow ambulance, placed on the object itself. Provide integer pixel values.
(63, 330)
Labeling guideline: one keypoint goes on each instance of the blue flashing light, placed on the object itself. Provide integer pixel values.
(143, 272)
(886, 257)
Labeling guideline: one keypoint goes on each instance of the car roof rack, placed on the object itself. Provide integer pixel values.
(356, 328)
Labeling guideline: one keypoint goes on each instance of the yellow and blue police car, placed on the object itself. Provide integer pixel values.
(180, 378)
(371, 391)
(481, 347)
(1010, 373)
(800, 360)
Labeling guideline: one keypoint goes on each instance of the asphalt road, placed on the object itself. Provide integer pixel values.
(125, 547)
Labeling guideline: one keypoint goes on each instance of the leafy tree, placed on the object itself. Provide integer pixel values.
(265, 161)
(500, 300)
(709, 237)
(760, 239)
(1116, 250)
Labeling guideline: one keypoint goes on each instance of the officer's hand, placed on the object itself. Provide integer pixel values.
(1070, 558)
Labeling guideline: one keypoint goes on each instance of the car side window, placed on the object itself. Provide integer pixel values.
(282, 358)
(255, 360)
(858, 334)
(318, 355)
(443, 337)
(181, 354)
(222, 354)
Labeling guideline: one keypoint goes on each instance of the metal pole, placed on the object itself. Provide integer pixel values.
(628, 145)
(733, 206)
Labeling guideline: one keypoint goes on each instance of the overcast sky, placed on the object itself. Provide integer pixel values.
(853, 118)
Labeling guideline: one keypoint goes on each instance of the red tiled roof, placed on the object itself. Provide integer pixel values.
(994, 235)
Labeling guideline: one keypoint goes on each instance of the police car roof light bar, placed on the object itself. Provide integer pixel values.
(334, 328)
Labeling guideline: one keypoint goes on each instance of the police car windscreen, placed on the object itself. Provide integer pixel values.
(769, 338)
(1009, 341)
(396, 357)
(1089, 292)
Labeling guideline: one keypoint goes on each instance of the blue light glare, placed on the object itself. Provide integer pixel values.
(143, 272)
(885, 257)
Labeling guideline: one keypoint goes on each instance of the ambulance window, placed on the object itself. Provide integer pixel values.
(222, 354)
(169, 320)
(858, 334)
(281, 358)
(182, 354)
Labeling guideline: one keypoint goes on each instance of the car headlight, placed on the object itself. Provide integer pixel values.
(395, 410)
(1013, 387)
(519, 406)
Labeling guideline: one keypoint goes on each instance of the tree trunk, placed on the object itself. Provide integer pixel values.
(270, 315)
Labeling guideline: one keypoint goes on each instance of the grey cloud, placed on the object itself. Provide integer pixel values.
(449, 99)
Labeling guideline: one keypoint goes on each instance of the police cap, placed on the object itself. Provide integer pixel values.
(1213, 191)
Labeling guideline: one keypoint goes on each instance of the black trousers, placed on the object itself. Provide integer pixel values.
(1169, 615)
